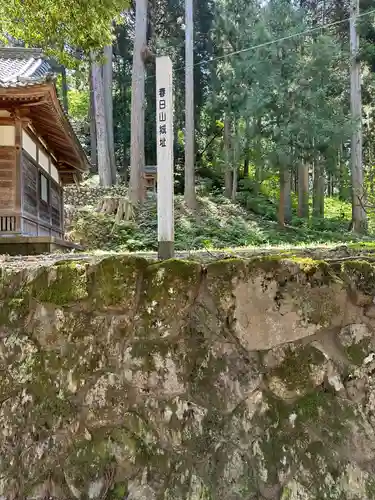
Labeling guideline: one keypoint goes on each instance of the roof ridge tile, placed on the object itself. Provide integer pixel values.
(20, 65)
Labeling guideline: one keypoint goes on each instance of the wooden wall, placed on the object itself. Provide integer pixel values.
(23, 157)
(7, 178)
(38, 152)
(7, 166)
(39, 218)
(30, 186)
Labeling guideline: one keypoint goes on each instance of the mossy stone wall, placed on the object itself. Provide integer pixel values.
(82, 195)
(239, 380)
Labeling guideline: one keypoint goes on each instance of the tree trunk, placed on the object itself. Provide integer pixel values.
(303, 191)
(104, 166)
(287, 196)
(258, 175)
(235, 183)
(93, 148)
(190, 197)
(281, 211)
(228, 183)
(137, 148)
(236, 159)
(108, 99)
(227, 159)
(318, 189)
(293, 181)
(358, 212)
(246, 166)
(119, 206)
(125, 165)
(258, 166)
(64, 89)
(321, 194)
(343, 195)
(247, 152)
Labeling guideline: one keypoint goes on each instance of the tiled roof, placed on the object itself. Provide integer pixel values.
(20, 66)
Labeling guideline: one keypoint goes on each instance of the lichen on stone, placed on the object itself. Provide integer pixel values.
(240, 379)
(62, 284)
(113, 281)
(301, 370)
(361, 274)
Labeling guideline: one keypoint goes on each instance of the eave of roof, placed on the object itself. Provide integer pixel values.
(27, 79)
(45, 111)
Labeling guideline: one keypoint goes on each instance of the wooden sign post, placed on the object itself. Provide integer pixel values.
(164, 137)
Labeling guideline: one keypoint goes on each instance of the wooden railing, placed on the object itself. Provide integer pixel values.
(7, 224)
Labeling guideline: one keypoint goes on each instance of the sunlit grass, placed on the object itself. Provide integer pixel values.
(221, 225)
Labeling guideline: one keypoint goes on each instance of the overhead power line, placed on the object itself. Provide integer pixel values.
(274, 41)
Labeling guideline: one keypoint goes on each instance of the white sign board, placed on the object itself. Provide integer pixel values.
(164, 137)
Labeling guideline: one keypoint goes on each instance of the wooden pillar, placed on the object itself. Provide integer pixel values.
(38, 198)
(50, 204)
(62, 222)
(18, 173)
(164, 134)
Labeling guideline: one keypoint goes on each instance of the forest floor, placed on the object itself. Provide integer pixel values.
(218, 229)
(221, 224)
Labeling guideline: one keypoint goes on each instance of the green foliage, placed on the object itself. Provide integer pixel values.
(287, 103)
(55, 26)
(218, 223)
(279, 88)
(259, 204)
(79, 101)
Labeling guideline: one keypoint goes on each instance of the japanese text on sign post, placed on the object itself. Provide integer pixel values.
(162, 107)
(164, 134)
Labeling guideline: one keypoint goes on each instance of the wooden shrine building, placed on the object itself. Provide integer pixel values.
(150, 178)
(39, 154)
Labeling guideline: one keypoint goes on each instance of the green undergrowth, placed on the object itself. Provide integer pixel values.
(218, 223)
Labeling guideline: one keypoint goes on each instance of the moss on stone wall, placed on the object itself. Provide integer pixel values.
(360, 274)
(61, 285)
(123, 377)
(114, 280)
(298, 367)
